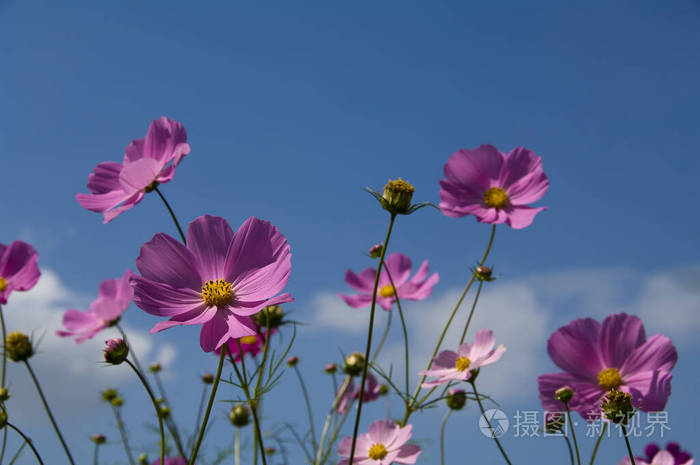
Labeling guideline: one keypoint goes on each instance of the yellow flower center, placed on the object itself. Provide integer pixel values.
(462, 363)
(387, 291)
(377, 451)
(495, 197)
(609, 379)
(249, 340)
(217, 293)
(3, 284)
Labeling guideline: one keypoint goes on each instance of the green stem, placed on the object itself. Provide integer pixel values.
(573, 433)
(338, 396)
(214, 386)
(4, 364)
(568, 445)
(172, 214)
(122, 432)
(597, 443)
(131, 350)
(169, 421)
(237, 447)
(308, 407)
(48, 411)
(333, 437)
(95, 461)
(403, 328)
(471, 312)
(256, 394)
(627, 442)
(18, 453)
(251, 405)
(155, 406)
(190, 443)
(442, 437)
(369, 339)
(493, 433)
(382, 340)
(28, 441)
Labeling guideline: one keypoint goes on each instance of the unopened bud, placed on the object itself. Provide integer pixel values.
(3, 419)
(207, 378)
(397, 196)
(456, 399)
(271, 316)
(383, 389)
(99, 438)
(330, 368)
(143, 459)
(164, 411)
(109, 394)
(239, 415)
(292, 361)
(376, 250)
(116, 351)
(270, 450)
(155, 367)
(117, 402)
(617, 406)
(4, 394)
(564, 394)
(354, 364)
(18, 346)
(483, 273)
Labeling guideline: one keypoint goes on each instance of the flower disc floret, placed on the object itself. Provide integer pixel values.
(377, 451)
(3, 284)
(462, 363)
(217, 293)
(495, 197)
(387, 291)
(609, 378)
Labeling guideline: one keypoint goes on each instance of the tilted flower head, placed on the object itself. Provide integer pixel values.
(116, 351)
(116, 187)
(493, 187)
(19, 269)
(598, 357)
(246, 345)
(460, 366)
(384, 444)
(219, 280)
(653, 455)
(419, 287)
(113, 298)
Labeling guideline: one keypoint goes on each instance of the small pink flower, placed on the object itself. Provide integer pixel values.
(147, 162)
(113, 298)
(493, 187)
(19, 269)
(219, 279)
(352, 393)
(384, 444)
(248, 344)
(458, 366)
(170, 461)
(653, 455)
(417, 288)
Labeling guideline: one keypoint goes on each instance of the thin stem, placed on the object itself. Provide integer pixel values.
(597, 443)
(155, 406)
(308, 407)
(369, 339)
(214, 386)
(48, 411)
(237, 447)
(627, 441)
(169, 422)
(568, 445)
(471, 312)
(251, 405)
(131, 351)
(190, 443)
(122, 432)
(493, 433)
(18, 453)
(573, 433)
(383, 339)
(172, 214)
(403, 328)
(442, 437)
(95, 461)
(333, 437)
(4, 365)
(28, 441)
(338, 396)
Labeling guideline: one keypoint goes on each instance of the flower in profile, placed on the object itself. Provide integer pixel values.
(171, 461)
(19, 269)
(599, 357)
(461, 365)
(493, 187)
(384, 444)
(351, 393)
(219, 279)
(653, 455)
(116, 187)
(113, 297)
(419, 287)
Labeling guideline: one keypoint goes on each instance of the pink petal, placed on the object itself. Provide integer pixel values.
(475, 169)
(528, 189)
(575, 348)
(118, 289)
(399, 266)
(382, 431)
(225, 325)
(133, 151)
(446, 359)
(650, 390)
(484, 341)
(197, 316)
(138, 174)
(162, 299)
(102, 202)
(19, 266)
(657, 353)
(401, 436)
(166, 140)
(165, 260)
(408, 454)
(522, 217)
(129, 203)
(620, 335)
(492, 357)
(208, 238)
(356, 301)
(519, 164)
(548, 384)
(364, 282)
(75, 320)
(251, 308)
(105, 178)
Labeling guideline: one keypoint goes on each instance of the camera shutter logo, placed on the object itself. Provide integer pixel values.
(499, 422)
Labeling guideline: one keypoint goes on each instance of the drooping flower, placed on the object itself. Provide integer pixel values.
(384, 444)
(19, 269)
(219, 279)
(493, 187)
(653, 455)
(113, 297)
(417, 288)
(248, 344)
(460, 366)
(599, 357)
(116, 187)
(352, 393)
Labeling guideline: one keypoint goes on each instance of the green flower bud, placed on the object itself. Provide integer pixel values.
(292, 361)
(456, 399)
(3, 419)
(397, 196)
(155, 367)
(143, 459)
(354, 364)
(116, 351)
(207, 378)
(376, 250)
(330, 368)
(117, 402)
(18, 346)
(4, 394)
(164, 411)
(483, 273)
(98, 438)
(617, 406)
(109, 394)
(272, 315)
(383, 389)
(239, 415)
(564, 394)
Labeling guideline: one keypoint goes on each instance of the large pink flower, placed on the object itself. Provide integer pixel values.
(116, 187)
(598, 357)
(384, 444)
(417, 288)
(218, 280)
(493, 187)
(19, 269)
(459, 366)
(113, 298)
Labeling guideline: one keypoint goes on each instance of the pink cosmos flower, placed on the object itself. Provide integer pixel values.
(170, 461)
(19, 269)
(598, 357)
(673, 455)
(116, 187)
(417, 288)
(352, 393)
(113, 298)
(384, 444)
(249, 344)
(218, 280)
(458, 366)
(495, 188)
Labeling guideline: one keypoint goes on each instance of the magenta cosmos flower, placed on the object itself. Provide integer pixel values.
(218, 280)
(598, 357)
(248, 344)
(417, 288)
(19, 269)
(372, 392)
(493, 187)
(672, 455)
(171, 461)
(113, 298)
(459, 366)
(384, 444)
(116, 187)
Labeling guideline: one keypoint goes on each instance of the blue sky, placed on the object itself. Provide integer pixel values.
(291, 108)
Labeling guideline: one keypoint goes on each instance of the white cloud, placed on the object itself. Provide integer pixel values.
(71, 374)
(332, 312)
